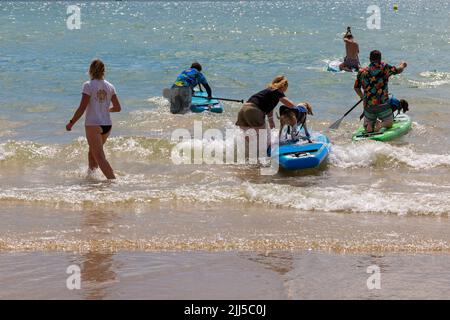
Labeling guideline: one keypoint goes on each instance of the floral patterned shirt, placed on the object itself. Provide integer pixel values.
(374, 81)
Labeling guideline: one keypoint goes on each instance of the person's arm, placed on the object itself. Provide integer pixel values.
(115, 104)
(202, 80)
(208, 89)
(401, 67)
(393, 70)
(357, 86)
(79, 112)
(287, 102)
(359, 92)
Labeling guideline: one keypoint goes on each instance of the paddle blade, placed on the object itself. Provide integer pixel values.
(336, 125)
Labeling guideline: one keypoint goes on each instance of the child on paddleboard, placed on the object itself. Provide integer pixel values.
(182, 89)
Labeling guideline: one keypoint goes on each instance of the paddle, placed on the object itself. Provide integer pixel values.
(167, 93)
(223, 99)
(338, 122)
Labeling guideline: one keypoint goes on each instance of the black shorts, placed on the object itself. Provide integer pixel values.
(105, 129)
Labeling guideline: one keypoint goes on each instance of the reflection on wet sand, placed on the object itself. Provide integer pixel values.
(280, 262)
(97, 268)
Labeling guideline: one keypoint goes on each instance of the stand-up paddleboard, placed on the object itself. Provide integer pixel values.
(401, 126)
(333, 66)
(201, 104)
(302, 154)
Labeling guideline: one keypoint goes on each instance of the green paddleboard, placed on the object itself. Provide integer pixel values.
(402, 124)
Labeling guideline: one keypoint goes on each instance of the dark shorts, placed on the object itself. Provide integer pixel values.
(180, 100)
(351, 63)
(105, 129)
(250, 116)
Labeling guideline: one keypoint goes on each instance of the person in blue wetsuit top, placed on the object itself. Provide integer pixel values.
(182, 89)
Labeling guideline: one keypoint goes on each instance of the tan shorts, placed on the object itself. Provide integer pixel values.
(251, 116)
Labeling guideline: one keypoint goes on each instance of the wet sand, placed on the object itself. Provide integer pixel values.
(180, 225)
(188, 251)
(224, 275)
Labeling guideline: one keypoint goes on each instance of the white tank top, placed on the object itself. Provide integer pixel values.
(97, 111)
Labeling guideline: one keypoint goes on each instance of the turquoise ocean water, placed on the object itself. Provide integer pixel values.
(242, 45)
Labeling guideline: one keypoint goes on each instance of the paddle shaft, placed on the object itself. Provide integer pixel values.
(223, 99)
(352, 108)
(336, 124)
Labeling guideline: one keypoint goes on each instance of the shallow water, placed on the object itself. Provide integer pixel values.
(369, 197)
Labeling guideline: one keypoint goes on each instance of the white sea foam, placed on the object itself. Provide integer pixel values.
(307, 199)
(25, 150)
(350, 199)
(5, 154)
(137, 148)
(368, 153)
(436, 79)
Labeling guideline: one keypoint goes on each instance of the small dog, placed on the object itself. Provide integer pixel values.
(287, 118)
(294, 117)
(402, 106)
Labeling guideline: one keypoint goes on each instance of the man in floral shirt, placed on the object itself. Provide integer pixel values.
(374, 79)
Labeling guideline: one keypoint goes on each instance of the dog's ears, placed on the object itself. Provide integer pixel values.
(309, 108)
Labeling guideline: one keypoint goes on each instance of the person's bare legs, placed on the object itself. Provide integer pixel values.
(96, 154)
(383, 124)
(368, 124)
(92, 162)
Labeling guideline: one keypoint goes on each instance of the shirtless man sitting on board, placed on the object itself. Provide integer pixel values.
(351, 61)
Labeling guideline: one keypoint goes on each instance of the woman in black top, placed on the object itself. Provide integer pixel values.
(253, 112)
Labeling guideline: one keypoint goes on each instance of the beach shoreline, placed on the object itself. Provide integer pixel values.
(152, 255)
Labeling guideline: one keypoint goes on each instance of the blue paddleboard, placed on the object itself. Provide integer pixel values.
(333, 66)
(201, 104)
(304, 155)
